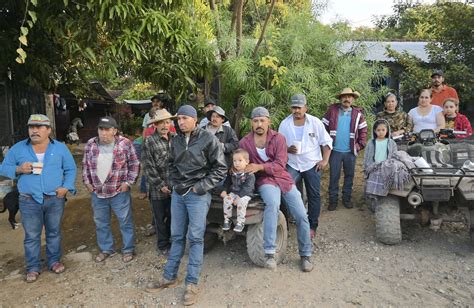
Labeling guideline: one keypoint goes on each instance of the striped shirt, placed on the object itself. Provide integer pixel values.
(125, 167)
(155, 159)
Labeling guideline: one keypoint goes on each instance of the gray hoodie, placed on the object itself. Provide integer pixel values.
(369, 156)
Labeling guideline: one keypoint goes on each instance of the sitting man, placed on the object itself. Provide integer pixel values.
(268, 157)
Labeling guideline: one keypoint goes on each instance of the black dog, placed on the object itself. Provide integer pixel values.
(10, 203)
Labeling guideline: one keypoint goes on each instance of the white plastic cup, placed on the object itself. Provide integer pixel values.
(297, 145)
(37, 168)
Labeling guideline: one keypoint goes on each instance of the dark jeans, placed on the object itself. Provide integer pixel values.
(346, 161)
(138, 149)
(312, 183)
(162, 218)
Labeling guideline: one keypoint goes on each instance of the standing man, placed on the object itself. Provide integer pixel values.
(156, 150)
(268, 157)
(197, 166)
(439, 91)
(156, 102)
(109, 168)
(225, 134)
(305, 136)
(45, 171)
(347, 127)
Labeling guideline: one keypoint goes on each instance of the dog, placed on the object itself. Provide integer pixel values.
(11, 203)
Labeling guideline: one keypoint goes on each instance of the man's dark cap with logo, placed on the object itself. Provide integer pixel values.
(107, 122)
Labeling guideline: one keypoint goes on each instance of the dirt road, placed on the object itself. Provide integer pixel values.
(351, 269)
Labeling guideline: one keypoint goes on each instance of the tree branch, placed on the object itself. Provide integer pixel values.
(262, 34)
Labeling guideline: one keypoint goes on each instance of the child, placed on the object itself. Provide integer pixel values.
(237, 189)
(455, 120)
(381, 147)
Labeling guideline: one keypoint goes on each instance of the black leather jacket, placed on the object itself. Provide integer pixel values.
(199, 164)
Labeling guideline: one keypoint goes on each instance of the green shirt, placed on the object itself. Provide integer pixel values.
(381, 150)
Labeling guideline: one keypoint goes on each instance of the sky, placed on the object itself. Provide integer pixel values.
(357, 12)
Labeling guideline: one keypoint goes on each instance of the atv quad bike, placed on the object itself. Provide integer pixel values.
(442, 192)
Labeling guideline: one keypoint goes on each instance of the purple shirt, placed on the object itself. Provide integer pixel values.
(275, 168)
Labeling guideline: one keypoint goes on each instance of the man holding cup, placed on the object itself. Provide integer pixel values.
(309, 149)
(45, 171)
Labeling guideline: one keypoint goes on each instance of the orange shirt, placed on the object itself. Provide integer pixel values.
(438, 97)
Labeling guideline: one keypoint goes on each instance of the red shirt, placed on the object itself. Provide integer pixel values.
(151, 129)
(438, 97)
(275, 167)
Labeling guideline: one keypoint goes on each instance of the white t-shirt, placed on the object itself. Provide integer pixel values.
(104, 161)
(424, 122)
(262, 154)
(314, 135)
(40, 157)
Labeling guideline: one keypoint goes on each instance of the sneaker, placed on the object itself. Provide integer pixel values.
(163, 283)
(306, 265)
(191, 294)
(239, 227)
(226, 225)
(332, 206)
(164, 252)
(270, 262)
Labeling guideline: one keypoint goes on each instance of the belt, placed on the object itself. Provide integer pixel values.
(28, 196)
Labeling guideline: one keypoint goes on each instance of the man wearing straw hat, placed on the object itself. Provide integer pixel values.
(347, 127)
(155, 165)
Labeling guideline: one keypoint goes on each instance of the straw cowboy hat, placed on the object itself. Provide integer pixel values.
(160, 115)
(348, 91)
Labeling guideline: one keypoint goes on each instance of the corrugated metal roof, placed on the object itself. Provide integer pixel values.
(376, 51)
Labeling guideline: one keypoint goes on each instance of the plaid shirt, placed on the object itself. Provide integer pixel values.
(155, 159)
(125, 167)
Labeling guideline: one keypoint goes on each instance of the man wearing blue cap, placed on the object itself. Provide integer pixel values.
(197, 165)
(45, 171)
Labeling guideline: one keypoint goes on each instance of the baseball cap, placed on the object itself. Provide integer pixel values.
(298, 100)
(107, 122)
(39, 119)
(259, 112)
(437, 72)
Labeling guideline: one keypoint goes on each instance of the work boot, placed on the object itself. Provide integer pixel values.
(270, 262)
(306, 265)
(163, 283)
(191, 294)
(348, 205)
(332, 206)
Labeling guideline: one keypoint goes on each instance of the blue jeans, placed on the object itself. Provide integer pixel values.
(121, 205)
(188, 216)
(271, 195)
(33, 217)
(339, 160)
(312, 183)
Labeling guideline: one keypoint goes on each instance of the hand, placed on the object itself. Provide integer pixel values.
(165, 189)
(223, 194)
(90, 188)
(61, 192)
(124, 187)
(292, 150)
(25, 168)
(253, 168)
(321, 165)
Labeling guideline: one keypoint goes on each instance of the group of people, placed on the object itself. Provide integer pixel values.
(182, 166)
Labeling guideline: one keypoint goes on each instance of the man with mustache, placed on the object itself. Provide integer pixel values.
(268, 157)
(439, 91)
(109, 168)
(346, 125)
(197, 165)
(46, 172)
(309, 148)
(156, 150)
(225, 134)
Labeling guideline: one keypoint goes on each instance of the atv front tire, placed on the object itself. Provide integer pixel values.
(387, 220)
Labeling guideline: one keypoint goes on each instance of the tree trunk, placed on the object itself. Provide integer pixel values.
(215, 12)
(239, 6)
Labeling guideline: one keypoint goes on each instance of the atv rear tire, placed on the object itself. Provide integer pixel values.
(387, 220)
(255, 241)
